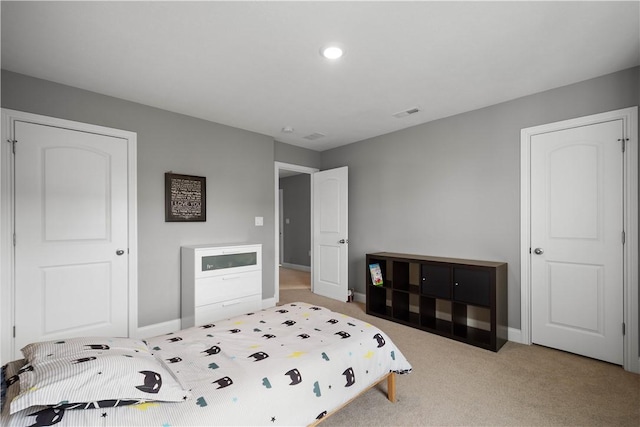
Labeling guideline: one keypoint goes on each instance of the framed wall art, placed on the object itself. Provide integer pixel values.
(185, 198)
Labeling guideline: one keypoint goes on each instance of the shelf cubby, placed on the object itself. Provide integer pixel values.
(431, 318)
(400, 305)
(400, 276)
(377, 301)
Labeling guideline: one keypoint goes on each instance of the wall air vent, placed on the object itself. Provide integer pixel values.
(314, 136)
(406, 113)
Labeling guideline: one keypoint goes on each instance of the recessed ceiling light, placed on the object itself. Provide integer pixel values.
(331, 52)
(287, 129)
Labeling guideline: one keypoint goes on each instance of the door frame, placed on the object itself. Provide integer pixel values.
(629, 116)
(7, 214)
(280, 253)
(295, 168)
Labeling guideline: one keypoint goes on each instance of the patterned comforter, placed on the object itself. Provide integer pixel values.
(288, 365)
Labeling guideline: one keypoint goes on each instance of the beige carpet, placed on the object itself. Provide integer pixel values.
(294, 279)
(457, 384)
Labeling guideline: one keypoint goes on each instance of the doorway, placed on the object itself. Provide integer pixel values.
(548, 280)
(295, 230)
(292, 272)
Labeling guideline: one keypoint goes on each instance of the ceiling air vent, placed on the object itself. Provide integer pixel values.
(406, 113)
(314, 136)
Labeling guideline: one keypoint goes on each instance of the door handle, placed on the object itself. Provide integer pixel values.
(119, 252)
(538, 251)
(343, 241)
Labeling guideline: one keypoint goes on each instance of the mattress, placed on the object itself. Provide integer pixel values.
(287, 365)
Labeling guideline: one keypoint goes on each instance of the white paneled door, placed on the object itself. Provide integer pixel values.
(71, 257)
(577, 241)
(331, 233)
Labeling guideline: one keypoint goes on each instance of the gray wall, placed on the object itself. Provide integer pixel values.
(238, 166)
(297, 209)
(291, 154)
(451, 187)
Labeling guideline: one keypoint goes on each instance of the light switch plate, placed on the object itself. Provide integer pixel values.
(259, 221)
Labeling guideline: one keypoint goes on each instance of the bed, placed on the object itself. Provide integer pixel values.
(293, 364)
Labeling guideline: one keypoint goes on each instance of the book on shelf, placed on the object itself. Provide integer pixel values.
(376, 274)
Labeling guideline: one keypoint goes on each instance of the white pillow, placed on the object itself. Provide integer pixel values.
(10, 383)
(93, 369)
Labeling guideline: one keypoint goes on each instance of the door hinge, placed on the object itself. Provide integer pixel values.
(14, 239)
(624, 237)
(624, 329)
(624, 143)
(13, 145)
(14, 331)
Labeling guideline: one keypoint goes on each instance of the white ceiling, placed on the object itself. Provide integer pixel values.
(256, 65)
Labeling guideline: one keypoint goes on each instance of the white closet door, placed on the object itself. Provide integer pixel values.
(71, 257)
(576, 239)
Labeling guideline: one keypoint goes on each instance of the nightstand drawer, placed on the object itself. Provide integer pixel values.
(210, 290)
(212, 313)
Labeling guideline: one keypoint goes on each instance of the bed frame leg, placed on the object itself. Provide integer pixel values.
(391, 387)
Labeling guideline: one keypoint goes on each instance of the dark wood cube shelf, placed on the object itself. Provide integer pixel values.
(465, 300)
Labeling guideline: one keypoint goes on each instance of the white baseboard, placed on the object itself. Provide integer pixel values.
(159, 329)
(514, 335)
(175, 325)
(296, 267)
(267, 303)
(359, 297)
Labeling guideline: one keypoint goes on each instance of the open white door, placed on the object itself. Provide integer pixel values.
(331, 233)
